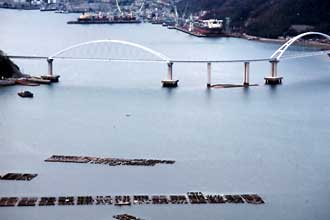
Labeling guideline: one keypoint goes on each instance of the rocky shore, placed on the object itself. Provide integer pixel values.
(10, 74)
(9, 70)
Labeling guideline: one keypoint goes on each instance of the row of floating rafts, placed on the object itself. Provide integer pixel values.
(126, 200)
(18, 176)
(107, 161)
(126, 217)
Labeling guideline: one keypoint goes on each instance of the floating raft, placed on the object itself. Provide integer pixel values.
(226, 86)
(126, 217)
(107, 161)
(18, 176)
(126, 200)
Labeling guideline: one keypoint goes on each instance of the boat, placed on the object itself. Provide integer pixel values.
(157, 22)
(211, 27)
(62, 12)
(100, 18)
(52, 78)
(38, 80)
(25, 82)
(49, 7)
(168, 22)
(25, 94)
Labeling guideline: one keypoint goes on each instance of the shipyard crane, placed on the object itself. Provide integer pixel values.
(139, 10)
(142, 5)
(177, 16)
(118, 7)
(175, 12)
(185, 10)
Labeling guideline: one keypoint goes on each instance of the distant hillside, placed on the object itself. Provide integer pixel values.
(266, 18)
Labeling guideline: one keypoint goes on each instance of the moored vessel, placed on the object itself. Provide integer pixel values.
(25, 82)
(101, 18)
(211, 27)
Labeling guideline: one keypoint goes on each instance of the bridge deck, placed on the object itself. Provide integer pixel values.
(317, 53)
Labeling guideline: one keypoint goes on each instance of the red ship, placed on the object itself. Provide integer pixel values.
(211, 27)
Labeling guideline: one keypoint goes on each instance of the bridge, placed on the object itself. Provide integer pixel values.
(145, 54)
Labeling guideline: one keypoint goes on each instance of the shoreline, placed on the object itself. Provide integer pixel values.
(29, 81)
(315, 44)
(308, 43)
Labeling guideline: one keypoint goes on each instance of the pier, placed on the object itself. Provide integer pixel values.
(272, 79)
(169, 82)
(195, 34)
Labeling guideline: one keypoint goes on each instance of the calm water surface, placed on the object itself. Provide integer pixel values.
(268, 140)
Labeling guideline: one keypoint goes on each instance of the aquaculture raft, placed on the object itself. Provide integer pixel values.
(107, 161)
(193, 198)
(126, 217)
(18, 176)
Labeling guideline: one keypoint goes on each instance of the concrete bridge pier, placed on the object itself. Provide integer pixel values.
(246, 81)
(169, 82)
(50, 76)
(50, 66)
(209, 70)
(273, 79)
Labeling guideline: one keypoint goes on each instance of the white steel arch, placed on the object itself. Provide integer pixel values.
(280, 51)
(127, 43)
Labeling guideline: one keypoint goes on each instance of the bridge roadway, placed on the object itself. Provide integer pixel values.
(140, 60)
(296, 56)
(169, 82)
